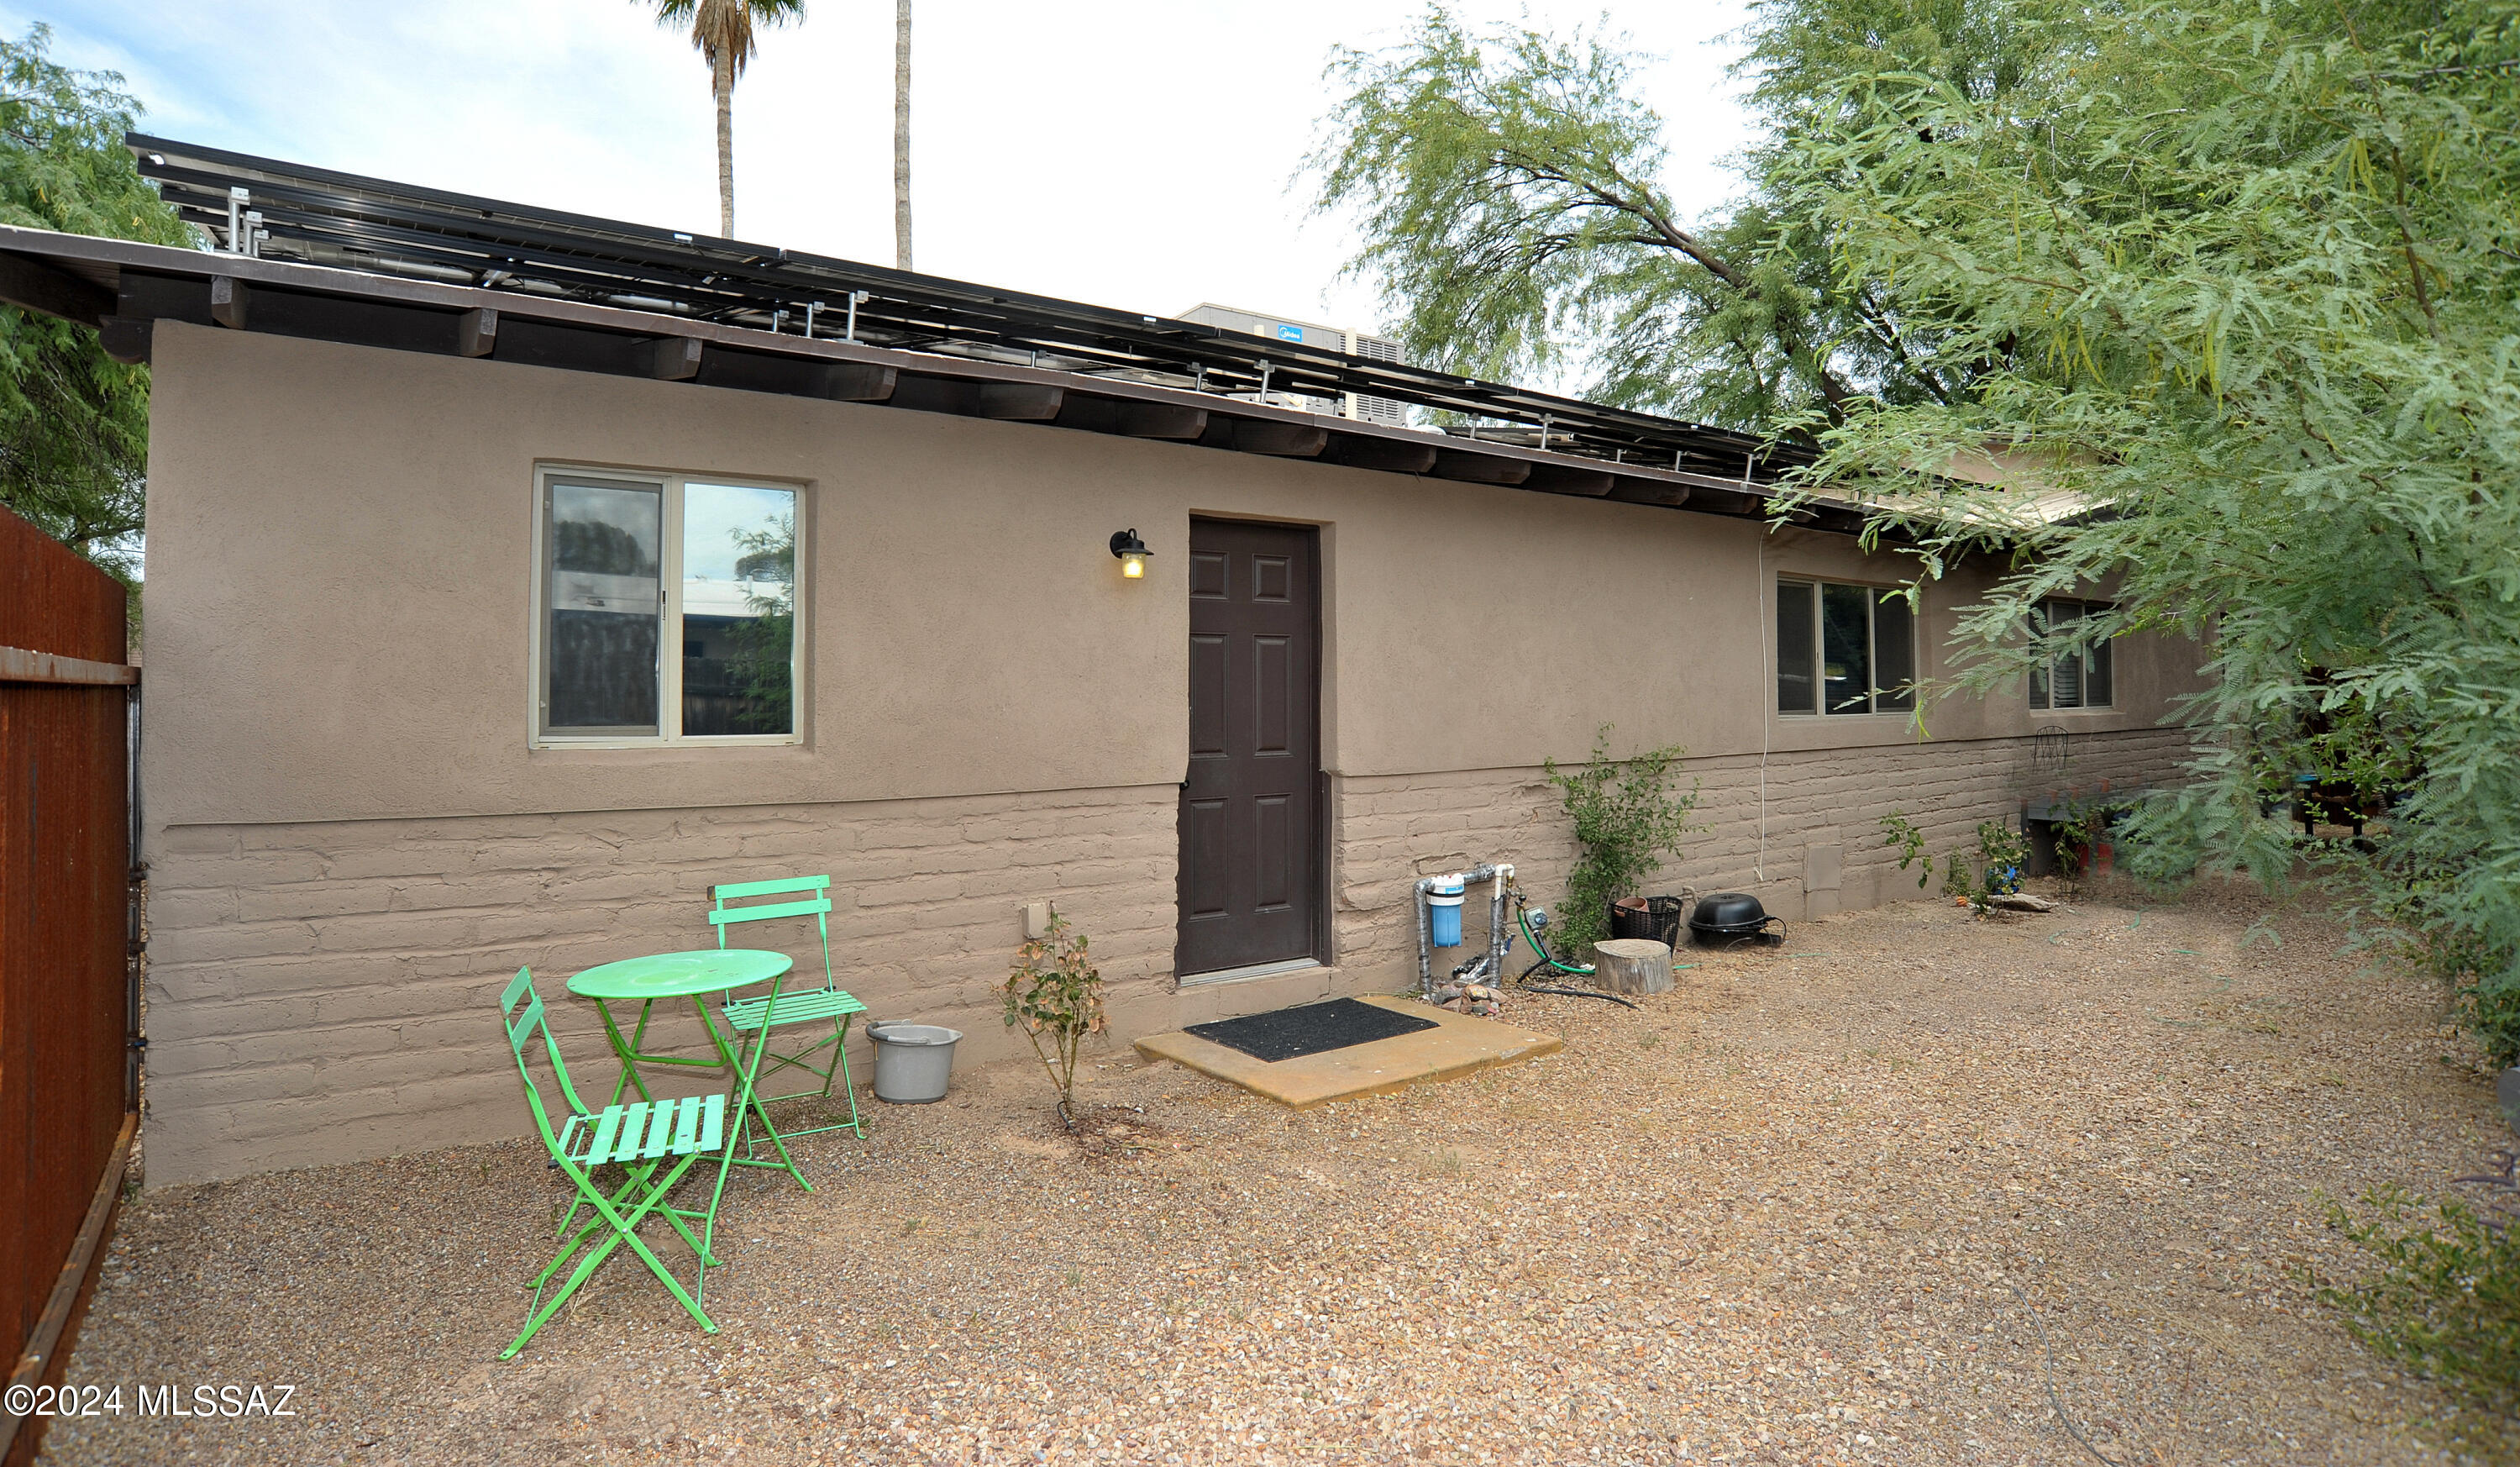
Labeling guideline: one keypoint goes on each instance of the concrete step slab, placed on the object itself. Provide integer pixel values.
(1457, 1045)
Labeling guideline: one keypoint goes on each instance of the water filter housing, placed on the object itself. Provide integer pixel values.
(1444, 910)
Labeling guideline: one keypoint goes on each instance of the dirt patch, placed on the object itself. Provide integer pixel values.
(1122, 1133)
(1820, 1204)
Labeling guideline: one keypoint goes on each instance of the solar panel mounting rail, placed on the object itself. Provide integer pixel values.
(346, 220)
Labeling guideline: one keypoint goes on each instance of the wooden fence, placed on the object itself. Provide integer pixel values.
(69, 1062)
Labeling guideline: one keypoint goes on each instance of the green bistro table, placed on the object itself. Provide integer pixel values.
(694, 976)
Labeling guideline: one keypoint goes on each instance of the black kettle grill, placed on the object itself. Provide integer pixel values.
(1728, 919)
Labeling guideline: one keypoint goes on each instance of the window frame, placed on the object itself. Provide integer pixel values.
(2039, 688)
(1873, 595)
(670, 486)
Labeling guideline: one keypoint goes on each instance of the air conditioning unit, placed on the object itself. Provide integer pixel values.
(1362, 410)
(1376, 409)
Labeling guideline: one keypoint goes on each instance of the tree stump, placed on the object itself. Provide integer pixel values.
(1632, 965)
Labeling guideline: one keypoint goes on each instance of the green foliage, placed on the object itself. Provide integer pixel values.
(2493, 1017)
(2236, 281)
(2490, 1014)
(724, 31)
(1056, 995)
(1975, 880)
(2243, 278)
(1626, 818)
(2080, 825)
(2002, 852)
(1900, 831)
(2444, 1297)
(74, 422)
(1512, 213)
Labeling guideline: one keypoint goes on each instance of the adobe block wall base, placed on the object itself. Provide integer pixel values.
(1821, 850)
(326, 992)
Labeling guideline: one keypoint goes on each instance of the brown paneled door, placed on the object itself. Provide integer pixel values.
(1250, 833)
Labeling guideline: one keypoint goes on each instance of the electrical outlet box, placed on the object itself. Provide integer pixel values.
(1036, 920)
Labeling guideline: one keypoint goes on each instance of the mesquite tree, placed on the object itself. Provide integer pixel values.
(1507, 190)
(2236, 284)
(2242, 287)
(73, 423)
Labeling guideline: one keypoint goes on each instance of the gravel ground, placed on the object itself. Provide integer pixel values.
(1815, 1206)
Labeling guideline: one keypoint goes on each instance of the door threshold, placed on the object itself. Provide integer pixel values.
(1249, 972)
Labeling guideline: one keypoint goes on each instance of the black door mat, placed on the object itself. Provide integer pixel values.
(1313, 1028)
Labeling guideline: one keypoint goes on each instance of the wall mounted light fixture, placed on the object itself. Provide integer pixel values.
(1132, 553)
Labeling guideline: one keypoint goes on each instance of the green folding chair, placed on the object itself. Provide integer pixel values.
(653, 1144)
(827, 1059)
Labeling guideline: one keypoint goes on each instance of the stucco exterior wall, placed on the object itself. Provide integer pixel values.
(354, 843)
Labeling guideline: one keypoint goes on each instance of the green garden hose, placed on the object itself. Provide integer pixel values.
(1533, 937)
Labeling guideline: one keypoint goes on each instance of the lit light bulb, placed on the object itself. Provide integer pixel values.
(1131, 552)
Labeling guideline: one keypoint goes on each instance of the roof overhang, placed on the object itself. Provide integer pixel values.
(125, 288)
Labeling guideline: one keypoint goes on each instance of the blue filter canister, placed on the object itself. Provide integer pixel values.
(1444, 911)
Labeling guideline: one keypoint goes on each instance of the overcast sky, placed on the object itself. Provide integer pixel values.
(1128, 153)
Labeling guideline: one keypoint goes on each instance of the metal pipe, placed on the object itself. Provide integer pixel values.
(1497, 938)
(1426, 936)
(1496, 920)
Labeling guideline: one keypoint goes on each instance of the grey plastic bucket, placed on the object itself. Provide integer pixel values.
(912, 1061)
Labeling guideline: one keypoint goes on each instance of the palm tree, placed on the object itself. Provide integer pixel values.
(901, 134)
(722, 33)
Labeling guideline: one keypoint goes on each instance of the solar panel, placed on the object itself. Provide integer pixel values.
(291, 211)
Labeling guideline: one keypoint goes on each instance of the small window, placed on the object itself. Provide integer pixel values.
(2074, 672)
(632, 566)
(1843, 649)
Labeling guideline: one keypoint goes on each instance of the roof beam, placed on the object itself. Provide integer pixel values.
(345, 305)
(1160, 420)
(1553, 479)
(1728, 502)
(1357, 451)
(1474, 468)
(1280, 440)
(858, 381)
(128, 340)
(26, 284)
(1650, 491)
(476, 331)
(1020, 401)
(674, 359)
(229, 298)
